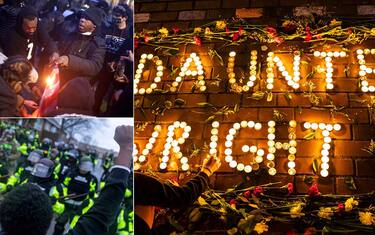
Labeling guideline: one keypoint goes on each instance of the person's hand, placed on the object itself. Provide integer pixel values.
(210, 165)
(117, 94)
(53, 58)
(62, 61)
(30, 104)
(130, 57)
(124, 137)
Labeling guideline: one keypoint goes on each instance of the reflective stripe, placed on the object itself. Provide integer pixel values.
(74, 221)
(120, 220)
(67, 181)
(92, 186)
(74, 203)
(58, 208)
(3, 187)
(13, 180)
(91, 203)
(128, 193)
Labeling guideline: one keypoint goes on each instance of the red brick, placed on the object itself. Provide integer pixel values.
(364, 185)
(307, 11)
(365, 167)
(267, 114)
(219, 100)
(225, 181)
(363, 132)
(220, 14)
(208, 4)
(249, 12)
(366, 10)
(341, 167)
(142, 17)
(344, 148)
(163, 16)
(156, 6)
(192, 15)
(236, 4)
(180, 5)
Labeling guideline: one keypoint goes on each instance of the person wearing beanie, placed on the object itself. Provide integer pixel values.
(26, 37)
(82, 54)
(119, 47)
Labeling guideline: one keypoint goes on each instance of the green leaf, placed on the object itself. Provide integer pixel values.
(212, 53)
(310, 136)
(215, 202)
(232, 231)
(349, 181)
(168, 104)
(269, 97)
(201, 201)
(210, 119)
(347, 71)
(257, 95)
(288, 96)
(315, 166)
(195, 215)
(308, 179)
(205, 104)
(179, 102)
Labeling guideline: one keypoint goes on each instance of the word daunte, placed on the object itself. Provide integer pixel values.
(192, 67)
(178, 132)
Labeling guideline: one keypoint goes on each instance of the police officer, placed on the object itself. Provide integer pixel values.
(46, 146)
(23, 172)
(81, 188)
(68, 163)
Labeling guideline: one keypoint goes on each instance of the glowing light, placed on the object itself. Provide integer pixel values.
(139, 72)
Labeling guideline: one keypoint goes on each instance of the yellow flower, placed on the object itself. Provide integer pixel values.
(334, 22)
(207, 31)
(373, 31)
(366, 218)
(350, 203)
(220, 24)
(295, 211)
(325, 213)
(197, 30)
(164, 32)
(261, 227)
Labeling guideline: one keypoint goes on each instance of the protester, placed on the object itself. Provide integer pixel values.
(151, 192)
(25, 37)
(119, 46)
(15, 73)
(36, 214)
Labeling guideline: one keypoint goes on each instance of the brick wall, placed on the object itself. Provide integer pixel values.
(347, 158)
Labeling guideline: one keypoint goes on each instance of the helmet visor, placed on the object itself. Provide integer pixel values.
(41, 171)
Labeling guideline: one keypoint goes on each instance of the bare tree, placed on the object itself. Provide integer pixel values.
(83, 126)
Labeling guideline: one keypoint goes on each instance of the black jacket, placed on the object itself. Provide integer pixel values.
(8, 100)
(86, 56)
(149, 191)
(17, 43)
(104, 212)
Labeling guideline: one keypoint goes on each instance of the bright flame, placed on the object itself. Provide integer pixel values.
(49, 81)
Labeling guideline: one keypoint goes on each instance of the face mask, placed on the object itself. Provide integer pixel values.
(116, 20)
(33, 77)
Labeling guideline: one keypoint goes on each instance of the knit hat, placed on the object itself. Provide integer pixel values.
(94, 14)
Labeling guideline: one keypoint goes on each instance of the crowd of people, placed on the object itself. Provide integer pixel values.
(88, 41)
(65, 176)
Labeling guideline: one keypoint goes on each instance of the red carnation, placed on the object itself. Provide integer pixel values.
(291, 232)
(340, 207)
(241, 31)
(233, 202)
(278, 39)
(176, 30)
(236, 36)
(227, 31)
(136, 42)
(350, 30)
(290, 188)
(257, 191)
(308, 34)
(198, 40)
(310, 231)
(146, 38)
(313, 191)
(272, 31)
(247, 194)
